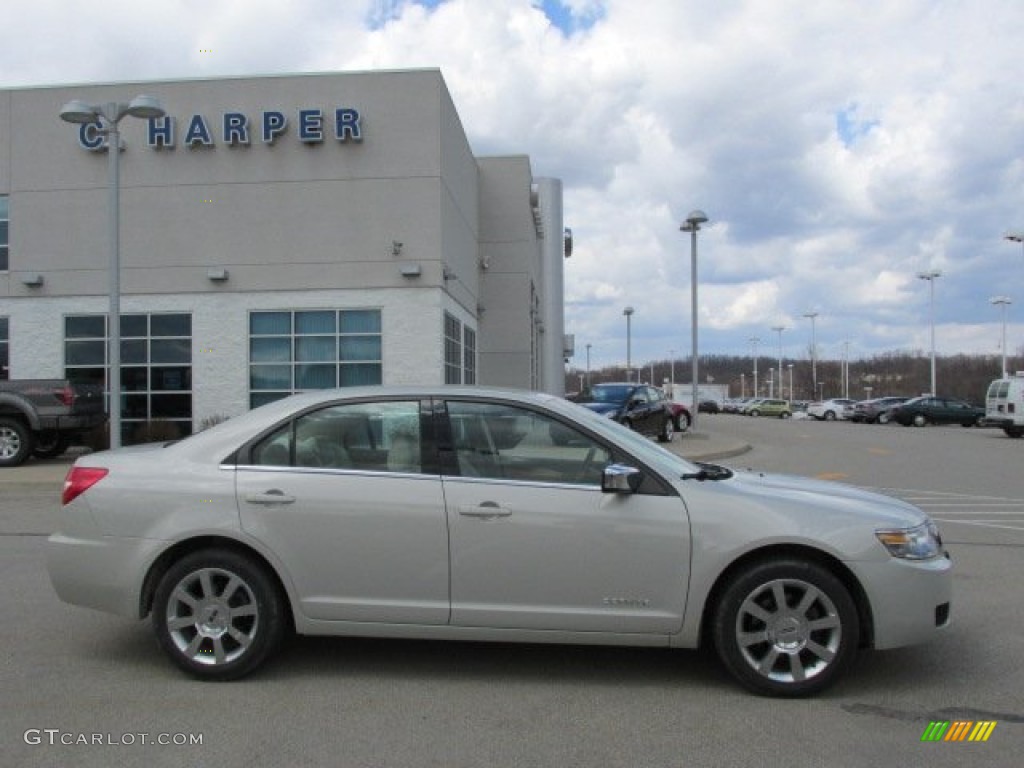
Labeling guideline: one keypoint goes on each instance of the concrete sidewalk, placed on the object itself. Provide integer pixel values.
(699, 446)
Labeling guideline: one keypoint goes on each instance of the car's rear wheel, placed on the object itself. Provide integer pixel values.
(919, 420)
(830, 415)
(16, 442)
(684, 422)
(1014, 431)
(755, 412)
(785, 415)
(667, 432)
(50, 445)
(786, 628)
(883, 418)
(218, 615)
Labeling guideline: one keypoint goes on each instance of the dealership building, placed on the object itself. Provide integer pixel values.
(277, 234)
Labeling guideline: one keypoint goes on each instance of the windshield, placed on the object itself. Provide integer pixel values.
(609, 393)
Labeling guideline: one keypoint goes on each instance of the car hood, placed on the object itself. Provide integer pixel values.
(827, 496)
(602, 408)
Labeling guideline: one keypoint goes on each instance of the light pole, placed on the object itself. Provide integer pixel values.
(672, 370)
(779, 329)
(771, 382)
(628, 312)
(588, 367)
(846, 369)
(107, 116)
(743, 386)
(790, 366)
(814, 355)
(1001, 302)
(692, 225)
(1015, 236)
(931, 276)
(754, 341)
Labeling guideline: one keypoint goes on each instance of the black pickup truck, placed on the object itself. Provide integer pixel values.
(42, 417)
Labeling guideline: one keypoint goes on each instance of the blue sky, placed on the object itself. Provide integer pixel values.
(837, 147)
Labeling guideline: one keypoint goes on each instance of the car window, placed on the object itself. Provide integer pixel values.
(655, 395)
(639, 395)
(504, 442)
(382, 436)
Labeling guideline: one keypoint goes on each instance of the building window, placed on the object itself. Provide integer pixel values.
(298, 350)
(156, 366)
(5, 360)
(452, 349)
(469, 356)
(5, 233)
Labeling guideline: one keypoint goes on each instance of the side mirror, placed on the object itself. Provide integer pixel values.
(620, 478)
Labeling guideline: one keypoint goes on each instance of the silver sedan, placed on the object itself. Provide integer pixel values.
(480, 514)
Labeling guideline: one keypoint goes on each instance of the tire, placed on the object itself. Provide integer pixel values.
(1014, 432)
(755, 413)
(919, 420)
(684, 423)
(16, 442)
(883, 418)
(785, 415)
(796, 646)
(830, 415)
(667, 432)
(220, 635)
(50, 445)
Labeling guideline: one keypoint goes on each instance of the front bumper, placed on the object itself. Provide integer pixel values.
(910, 600)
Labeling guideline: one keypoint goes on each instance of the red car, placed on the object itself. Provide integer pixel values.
(681, 419)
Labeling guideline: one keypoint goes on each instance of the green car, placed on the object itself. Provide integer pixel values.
(769, 407)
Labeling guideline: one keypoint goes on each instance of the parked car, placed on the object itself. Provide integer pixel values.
(451, 513)
(42, 417)
(709, 406)
(829, 410)
(637, 406)
(937, 410)
(767, 406)
(872, 411)
(1004, 405)
(681, 419)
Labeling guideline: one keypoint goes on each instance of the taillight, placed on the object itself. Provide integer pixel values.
(79, 480)
(67, 396)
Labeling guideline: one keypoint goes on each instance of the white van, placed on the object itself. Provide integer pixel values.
(1004, 405)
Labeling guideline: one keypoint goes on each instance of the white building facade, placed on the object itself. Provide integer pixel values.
(278, 234)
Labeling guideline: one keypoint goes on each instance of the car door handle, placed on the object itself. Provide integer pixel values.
(487, 511)
(269, 498)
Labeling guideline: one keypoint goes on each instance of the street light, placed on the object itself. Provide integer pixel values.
(692, 225)
(1015, 236)
(790, 366)
(588, 367)
(779, 329)
(754, 341)
(628, 312)
(814, 356)
(1002, 301)
(931, 276)
(107, 116)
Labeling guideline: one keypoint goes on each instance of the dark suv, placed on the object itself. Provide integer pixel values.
(637, 406)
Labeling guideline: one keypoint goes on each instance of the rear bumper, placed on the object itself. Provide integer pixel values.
(75, 422)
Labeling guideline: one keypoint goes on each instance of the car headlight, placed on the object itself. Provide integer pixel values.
(920, 543)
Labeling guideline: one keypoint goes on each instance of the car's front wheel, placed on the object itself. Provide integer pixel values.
(830, 415)
(667, 432)
(786, 628)
(218, 614)
(883, 418)
(919, 420)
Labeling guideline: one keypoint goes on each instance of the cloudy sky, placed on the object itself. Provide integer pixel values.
(838, 147)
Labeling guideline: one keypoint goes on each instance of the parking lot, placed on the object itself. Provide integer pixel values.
(71, 674)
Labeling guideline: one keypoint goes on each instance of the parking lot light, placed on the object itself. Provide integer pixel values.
(1002, 302)
(931, 275)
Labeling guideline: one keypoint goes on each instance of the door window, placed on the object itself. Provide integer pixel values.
(503, 442)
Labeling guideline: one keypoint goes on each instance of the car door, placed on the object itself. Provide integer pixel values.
(343, 499)
(536, 545)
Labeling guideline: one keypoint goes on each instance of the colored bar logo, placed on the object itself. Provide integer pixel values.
(958, 730)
